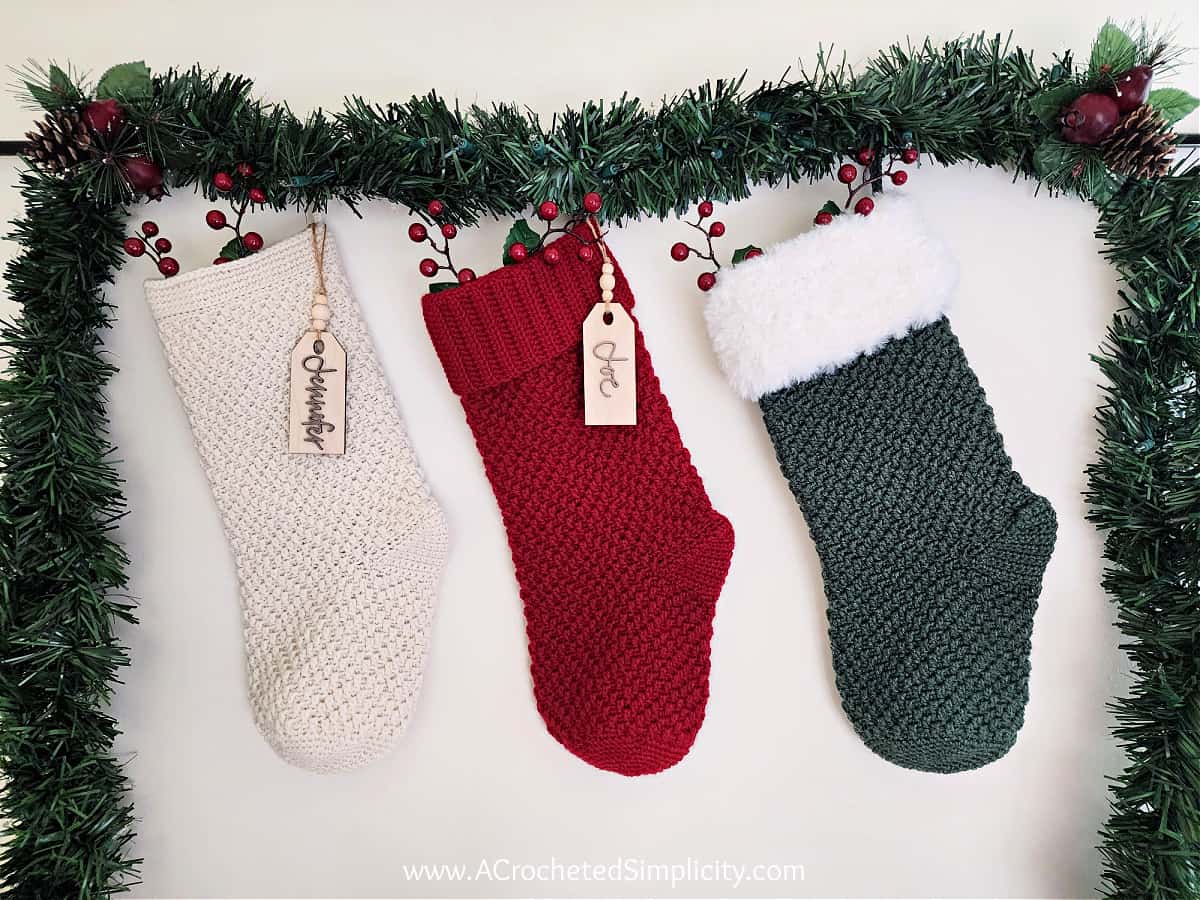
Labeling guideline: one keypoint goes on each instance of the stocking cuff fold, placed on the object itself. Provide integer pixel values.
(497, 327)
(241, 283)
(816, 302)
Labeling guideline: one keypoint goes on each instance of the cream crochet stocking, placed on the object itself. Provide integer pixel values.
(338, 557)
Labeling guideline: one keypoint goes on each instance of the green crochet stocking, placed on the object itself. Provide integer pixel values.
(932, 549)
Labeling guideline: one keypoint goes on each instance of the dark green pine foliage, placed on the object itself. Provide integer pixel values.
(966, 100)
(1144, 490)
(61, 572)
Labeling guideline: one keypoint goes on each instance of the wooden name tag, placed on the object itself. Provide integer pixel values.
(609, 375)
(317, 417)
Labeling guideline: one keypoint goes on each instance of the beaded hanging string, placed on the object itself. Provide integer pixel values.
(608, 279)
(320, 313)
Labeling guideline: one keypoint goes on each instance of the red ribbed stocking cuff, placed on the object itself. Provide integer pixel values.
(491, 330)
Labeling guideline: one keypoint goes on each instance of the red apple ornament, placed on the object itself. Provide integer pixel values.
(1089, 118)
(143, 175)
(104, 116)
(1130, 89)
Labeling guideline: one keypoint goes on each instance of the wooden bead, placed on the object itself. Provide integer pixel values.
(607, 268)
(320, 298)
(321, 311)
(318, 325)
(606, 296)
(607, 282)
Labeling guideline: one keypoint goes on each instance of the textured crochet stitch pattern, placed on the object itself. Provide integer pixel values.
(931, 547)
(338, 557)
(619, 554)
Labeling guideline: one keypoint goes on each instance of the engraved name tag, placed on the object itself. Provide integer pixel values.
(609, 373)
(317, 418)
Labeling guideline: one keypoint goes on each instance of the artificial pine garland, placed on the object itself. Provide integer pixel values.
(974, 99)
(1144, 491)
(61, 571)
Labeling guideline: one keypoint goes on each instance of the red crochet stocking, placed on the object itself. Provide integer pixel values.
(618, 551)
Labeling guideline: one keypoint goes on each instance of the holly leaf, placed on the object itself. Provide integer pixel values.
(129, 80)
(740, 255)
(60, 82)
(1070, 167)
(1049, 103)
(519, 233)
(44, 97)
(832, 208)
(1096, 181)
(1113, 48)
(1173, 103)
(233, 249)
(1052, 159)
(438, 286)
(56, 91)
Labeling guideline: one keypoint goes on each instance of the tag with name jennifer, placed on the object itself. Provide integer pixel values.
(609, 376)
(317, 418)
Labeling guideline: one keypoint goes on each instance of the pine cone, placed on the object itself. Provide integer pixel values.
(60, 141)
(1140, 144)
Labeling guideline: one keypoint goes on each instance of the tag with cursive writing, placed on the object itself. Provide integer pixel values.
(317, 418)
(609, 376)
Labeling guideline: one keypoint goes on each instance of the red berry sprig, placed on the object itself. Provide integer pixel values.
(680, 251)
(146, 241)
(418, 233)
(872, 176)
(548, 211)
(240, 244)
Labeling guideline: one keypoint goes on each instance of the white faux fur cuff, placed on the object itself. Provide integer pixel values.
(823, 298)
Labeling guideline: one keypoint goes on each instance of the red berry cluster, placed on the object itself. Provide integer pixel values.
(872, 176)
(148, 241)
(419, 233)
(518, 251)
(681, 251)
(241, 244)
(548, 211)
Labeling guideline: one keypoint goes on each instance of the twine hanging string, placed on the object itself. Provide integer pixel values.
(606, 266)
(320, 313)
(319, 254)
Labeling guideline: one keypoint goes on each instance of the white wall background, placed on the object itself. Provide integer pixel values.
(777, 775)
